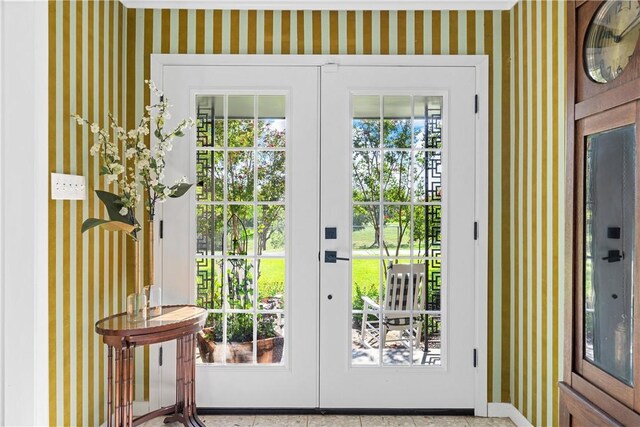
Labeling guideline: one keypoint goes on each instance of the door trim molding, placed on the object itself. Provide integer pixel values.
(481, 64)
(167, 59)
(322, 4)
(482, 217)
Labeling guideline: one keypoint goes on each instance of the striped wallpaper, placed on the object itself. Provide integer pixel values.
(536, 207)
(99, 57)
(86, 66)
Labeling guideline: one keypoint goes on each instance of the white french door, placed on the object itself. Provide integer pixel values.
(245, 245)
(398, 186)
(330, 234)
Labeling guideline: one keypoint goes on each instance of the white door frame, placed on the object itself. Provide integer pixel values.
(481, 64)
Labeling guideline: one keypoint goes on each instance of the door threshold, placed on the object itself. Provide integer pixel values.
(336, 411)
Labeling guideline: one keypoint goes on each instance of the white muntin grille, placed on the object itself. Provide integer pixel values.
(398, 150)
(241, 238)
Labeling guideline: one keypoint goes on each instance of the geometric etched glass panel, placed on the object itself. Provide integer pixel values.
(427, 176)
(240, 215)
(210, 175)
(397, 195)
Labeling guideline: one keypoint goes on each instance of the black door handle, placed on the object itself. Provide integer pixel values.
(614, 256)
(332, 257)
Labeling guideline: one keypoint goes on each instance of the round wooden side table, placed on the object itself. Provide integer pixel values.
(177, 322)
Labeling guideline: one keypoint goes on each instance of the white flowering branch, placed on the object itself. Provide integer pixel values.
(145, 166)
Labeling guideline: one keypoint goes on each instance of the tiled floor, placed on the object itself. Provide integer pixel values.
(341, 421)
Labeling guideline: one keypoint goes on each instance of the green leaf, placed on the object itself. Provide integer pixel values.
(179, 133)
(113, 204)
(107, 225)
(157, 133)
(92, 222)
(179, 190)
(104, 170)
(118, 226)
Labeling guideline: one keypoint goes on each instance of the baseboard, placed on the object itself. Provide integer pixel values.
(332, 411)
(503, 410)
(140, 407)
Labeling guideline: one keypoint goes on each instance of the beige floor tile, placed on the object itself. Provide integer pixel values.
(444, 421)
(385, 421)
(333, 421)
(341, 421)
(280, 420)
(489, 422)
(159, 422)
(228, 420)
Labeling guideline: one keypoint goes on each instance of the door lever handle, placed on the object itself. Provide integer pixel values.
(614, 256)
(332, 257)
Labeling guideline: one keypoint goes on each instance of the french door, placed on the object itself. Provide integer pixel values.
(398, 186)
(330, 234)
(246, 244)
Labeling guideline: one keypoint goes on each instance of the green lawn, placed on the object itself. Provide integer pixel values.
(365, 279)
(366, 275)
(271, 281)
(364, 238)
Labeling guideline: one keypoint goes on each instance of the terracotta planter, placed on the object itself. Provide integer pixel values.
(269, 350)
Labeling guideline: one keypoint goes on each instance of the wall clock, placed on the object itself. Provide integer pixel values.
(611, 39)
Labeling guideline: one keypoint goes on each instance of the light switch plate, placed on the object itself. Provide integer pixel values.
(68, 187)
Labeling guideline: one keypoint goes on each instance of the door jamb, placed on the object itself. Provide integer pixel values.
(481, 64)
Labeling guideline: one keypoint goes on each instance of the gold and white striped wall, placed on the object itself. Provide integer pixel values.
(99, 56)
(86, 273)
(536, 208)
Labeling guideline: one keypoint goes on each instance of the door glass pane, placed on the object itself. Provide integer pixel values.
(366, 121)
(396, 176)
(609, 251)
(240, 177)
(210, 175)
(271, 121)
(271, 283)
(271, 176)
(396, 236)
(366, 176)
(365, 237)
(427, 127)
(240, 161)
(397, 124)
(365, 275)
(427, 176)
(210, 113)
(240, 121)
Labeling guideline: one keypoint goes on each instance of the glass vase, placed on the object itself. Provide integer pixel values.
(137, 307)
(154, 300)
(152, 290)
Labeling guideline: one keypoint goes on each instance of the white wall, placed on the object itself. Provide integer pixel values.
(2, 311)
(23, 212)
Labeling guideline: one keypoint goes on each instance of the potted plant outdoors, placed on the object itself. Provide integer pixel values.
(138, 175)
(240, 293)
(239, 349)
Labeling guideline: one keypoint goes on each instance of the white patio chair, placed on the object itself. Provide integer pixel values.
(405, 291)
